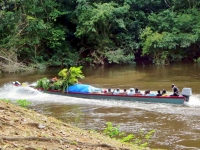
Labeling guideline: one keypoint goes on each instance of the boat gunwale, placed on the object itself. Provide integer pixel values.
(113, 95)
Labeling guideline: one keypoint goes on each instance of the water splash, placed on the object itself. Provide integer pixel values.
(194, 101)
(11, 92)
(8, 91)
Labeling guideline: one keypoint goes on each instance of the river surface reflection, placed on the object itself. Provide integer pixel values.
(177, 126)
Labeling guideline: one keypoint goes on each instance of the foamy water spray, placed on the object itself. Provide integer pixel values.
(194, 101)
(8, 91)
(11, 92)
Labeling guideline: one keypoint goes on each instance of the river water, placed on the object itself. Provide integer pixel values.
(177, 126)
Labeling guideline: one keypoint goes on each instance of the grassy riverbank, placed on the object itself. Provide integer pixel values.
(22, 128)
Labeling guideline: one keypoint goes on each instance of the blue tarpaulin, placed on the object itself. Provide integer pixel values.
(82, 88)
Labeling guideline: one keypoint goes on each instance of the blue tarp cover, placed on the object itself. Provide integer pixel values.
(82, 88)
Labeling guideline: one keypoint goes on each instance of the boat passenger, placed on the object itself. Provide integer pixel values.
(164, 93)
(109, 91)
(159, 94)
(117, 91)
(175, 90)
(104, 91)
(137, 91)
(150, 94)
(131, 92)
(146, 92)
(124, 92)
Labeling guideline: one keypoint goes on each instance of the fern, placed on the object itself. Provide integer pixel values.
(142, 140)
(43, 83)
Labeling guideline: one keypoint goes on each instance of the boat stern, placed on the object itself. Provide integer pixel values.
(186, 92)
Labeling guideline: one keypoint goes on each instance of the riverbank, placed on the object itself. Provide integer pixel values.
(22, 128)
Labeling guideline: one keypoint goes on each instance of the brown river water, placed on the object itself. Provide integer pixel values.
(177, 126)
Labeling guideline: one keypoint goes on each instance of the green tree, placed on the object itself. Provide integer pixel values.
(96, 25)
(170, 35)
(69, 33)
(31, 31)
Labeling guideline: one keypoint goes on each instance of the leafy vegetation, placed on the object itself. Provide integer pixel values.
(142, 139)
(70, 33)
(23, 103)
(66, 78)
(43, 83)
(197, 60)
(5, 100)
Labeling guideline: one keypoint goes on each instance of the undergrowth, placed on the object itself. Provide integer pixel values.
(142, 139)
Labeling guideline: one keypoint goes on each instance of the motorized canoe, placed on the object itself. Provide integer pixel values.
(80, 91)
(106, 96)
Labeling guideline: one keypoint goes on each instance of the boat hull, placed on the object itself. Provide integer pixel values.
(151, 99)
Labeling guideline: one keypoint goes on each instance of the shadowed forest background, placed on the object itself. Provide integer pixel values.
(37, 33)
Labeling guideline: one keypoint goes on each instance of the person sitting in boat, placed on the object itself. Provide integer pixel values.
(136, 90)
(117, 91)
(164, 93)
(109, 91)
(175, 90)
(159, 94)
(104, 91)
(124, 92)
(148, 93)
(131, 92)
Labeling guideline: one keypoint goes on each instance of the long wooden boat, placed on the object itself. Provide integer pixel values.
(153, 99)
(185, 95)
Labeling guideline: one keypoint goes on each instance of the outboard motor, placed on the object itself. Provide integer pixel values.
(186, 92)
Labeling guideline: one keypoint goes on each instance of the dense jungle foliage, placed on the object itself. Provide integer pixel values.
(98, 32)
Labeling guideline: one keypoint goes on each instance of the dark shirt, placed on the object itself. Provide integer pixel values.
(159, 95)
(175, 91)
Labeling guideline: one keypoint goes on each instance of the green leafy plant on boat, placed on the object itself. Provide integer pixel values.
(70, 76)
(66, 77)
(142, 140)
(43, 83)
(56, 85)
